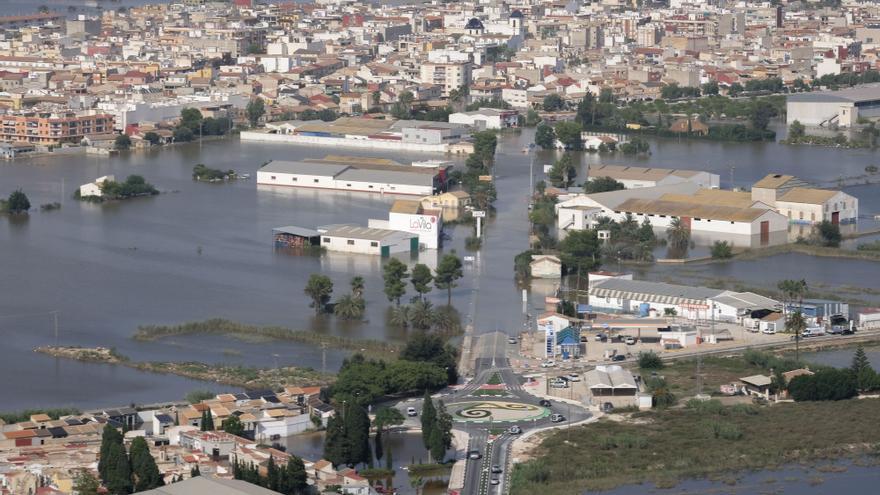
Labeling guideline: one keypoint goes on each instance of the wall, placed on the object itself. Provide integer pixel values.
(326, 182)
(343, 143)
(426, 226)
(341, 244)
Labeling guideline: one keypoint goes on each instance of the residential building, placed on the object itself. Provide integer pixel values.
(49, 128)
(448, 75)
(486, 118)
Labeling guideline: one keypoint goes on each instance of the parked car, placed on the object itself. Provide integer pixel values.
(494, 481)
(813, 332)
(514, 430)
(769, 331)
(574, 377)
(558, 383)
(474, 454)
(411, 412)
(601, 337)
(548, 364)
(557, 418)
(511, 340)
(544, 403)
(630, 341)
(496, 469)
(618, 357)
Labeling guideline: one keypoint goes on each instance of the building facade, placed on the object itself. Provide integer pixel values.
(54, 128)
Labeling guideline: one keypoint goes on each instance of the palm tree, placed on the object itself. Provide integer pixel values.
(400, 316)
(794, 290)
(678, 234)
(797, 324)
(357, 287)
(349, 308)
(421, 314)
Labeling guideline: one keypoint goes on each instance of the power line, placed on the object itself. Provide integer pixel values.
(22, 315)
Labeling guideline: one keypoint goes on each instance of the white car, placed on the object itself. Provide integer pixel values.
(574, 377)
(630, 341)
(411, 412)
(768, 331)
(548, 364)
(514, 430)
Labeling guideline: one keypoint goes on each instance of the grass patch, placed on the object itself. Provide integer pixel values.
(681, 375)
(495, 379)
(25, 415)
(241, 331)
(696, 442)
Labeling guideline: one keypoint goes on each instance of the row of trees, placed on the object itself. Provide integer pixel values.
(351, 306)
(289, 479)
(480, 164)
(193, 125)
(123, 473)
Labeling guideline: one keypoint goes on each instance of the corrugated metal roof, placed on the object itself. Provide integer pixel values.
(772, 181)
(298, 231)
(807, 196)
(626, 172)
(658, 292)
(715, 197)
(612, 199)
(357, 232)
(693, 210)
(856, 94)
(208, 485)
(304, 168)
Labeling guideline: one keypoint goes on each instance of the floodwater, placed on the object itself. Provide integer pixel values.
(204, 250)
(842, 358)
(406, 448)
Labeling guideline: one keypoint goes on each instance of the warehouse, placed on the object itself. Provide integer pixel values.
(411, 216)
(635, 177)
(694, 303)
(486, 118)
(843, 108)
(354, 174)
(366, 240)
(802, 204)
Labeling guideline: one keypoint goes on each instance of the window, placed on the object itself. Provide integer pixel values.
(662, 216)
(273, 177)
(697, 219)
(370, 186)
(326, 240)
(315, 180)
(294, 179)
(348, 185)
(732, 222)
(812, 217)
(801, 215)
(350, 242)
(374, 244)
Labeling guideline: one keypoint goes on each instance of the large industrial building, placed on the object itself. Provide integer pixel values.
(366, 240)
(827, 108)
(414, 218)
(636, 177)
(355, 174)
(803, 204)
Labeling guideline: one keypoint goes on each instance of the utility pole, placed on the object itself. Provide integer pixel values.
(323, 357)
(732, 169)
(55, 317)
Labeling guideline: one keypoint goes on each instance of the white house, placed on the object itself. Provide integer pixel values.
(803, 204)
(94, 188)
(279, 422)
(486, 118)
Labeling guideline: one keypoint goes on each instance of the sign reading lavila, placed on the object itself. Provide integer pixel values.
(422, 223)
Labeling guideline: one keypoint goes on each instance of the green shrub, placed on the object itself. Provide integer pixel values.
(650, 361)
(722, 250)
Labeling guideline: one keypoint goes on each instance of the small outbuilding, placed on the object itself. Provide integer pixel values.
(545, 266)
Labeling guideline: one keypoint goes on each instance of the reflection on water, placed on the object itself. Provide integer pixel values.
(405, 448)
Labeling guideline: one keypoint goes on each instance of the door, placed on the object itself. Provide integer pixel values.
(765, 232)
(686, 222)
(835, 218)
(385, 251)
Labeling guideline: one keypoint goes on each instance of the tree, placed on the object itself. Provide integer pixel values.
(109, 436)
(796, 130)
(650, 361)
(357, 429)
(336, 446)
(545, 136)
(794, 290)
(721, 250)
(207, 423)
(421, 314)
(272, 474)
(421, 279)
(394, 273)
(825, 384)
(183, 134)
(292, 479)
(569, 134)
(532, 118)
(580, 251)
(255, 110)
(118, 471)
(400, 316)
(319, 288)
(17, 202)
(553, 102)
(152, 138)
(760, 116)
(233, 426)
(86, 483)
(678, 234)
(143, 466)
(428, 419)
(866, 377)
(441, 434)
(191, 118)
(735, 90)
(122, 142)
(563, 172)
(602, 184)
(710, 88)
(828, 234)
(349, 307)
(357, 287)
(448, 271)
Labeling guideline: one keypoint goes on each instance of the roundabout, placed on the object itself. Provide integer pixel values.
(496, 412)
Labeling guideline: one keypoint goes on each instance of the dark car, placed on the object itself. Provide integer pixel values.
(496, 469)
(618, 357)
(544, 403)
(474, 454)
